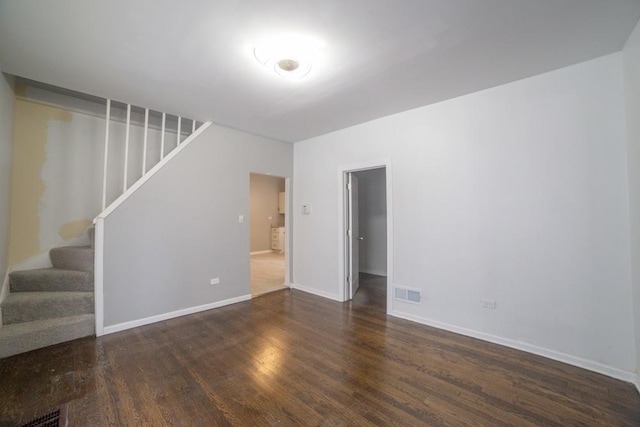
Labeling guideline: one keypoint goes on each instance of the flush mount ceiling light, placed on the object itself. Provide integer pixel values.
(291, 56)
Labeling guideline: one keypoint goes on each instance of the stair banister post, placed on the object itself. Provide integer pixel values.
(98, 271)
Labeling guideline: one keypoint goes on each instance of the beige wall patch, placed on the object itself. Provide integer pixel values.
(74, 228)
(31, 123)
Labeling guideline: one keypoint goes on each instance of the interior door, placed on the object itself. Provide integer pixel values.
(353, 234)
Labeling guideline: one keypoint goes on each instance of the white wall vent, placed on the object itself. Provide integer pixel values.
(408, 295)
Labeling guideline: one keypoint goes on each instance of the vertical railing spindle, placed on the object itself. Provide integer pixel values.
(191, 131)
(179, 130)
(164, 122)
(144, 144)
(126, 148)
(106, 155)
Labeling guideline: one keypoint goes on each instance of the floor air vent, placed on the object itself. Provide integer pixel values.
(408, 295)
(55, 418)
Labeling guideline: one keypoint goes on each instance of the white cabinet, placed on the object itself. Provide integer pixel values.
(281, 205)
(277, 239)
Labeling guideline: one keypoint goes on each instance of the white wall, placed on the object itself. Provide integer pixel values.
(164, 244)
(632, 97)
(6, 137)
(517, 194)
(372, 219)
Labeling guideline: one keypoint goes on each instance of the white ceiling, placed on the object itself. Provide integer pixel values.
(191, 57)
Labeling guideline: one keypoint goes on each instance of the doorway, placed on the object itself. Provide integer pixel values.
(366, 233)
(267, 233)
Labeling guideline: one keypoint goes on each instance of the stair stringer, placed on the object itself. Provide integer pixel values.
(99, 225)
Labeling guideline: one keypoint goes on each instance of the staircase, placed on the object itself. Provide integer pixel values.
(48, 306)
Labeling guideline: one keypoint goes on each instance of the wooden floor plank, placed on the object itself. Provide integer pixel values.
(291, 358)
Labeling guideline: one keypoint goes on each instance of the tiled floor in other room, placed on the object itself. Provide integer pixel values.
(267, 273)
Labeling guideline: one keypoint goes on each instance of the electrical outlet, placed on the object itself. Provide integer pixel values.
(489, 303)
(240, 219)
(215, 281)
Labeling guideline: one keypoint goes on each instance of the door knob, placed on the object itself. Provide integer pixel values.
(360, 238)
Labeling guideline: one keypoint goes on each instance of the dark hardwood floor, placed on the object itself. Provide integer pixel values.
(291, 358)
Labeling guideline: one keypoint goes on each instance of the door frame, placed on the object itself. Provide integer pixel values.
(343, 241)
(287, 226)
(352, 239)
(287, 232)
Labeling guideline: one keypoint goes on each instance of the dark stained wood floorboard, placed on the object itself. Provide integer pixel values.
(290, 358)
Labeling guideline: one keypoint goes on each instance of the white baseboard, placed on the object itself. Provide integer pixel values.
(260, 252)
(374, 272)
(637, 383)
(529, 348)
(315, 292)
(166, 316)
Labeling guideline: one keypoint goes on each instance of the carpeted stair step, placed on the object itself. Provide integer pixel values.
(51, 279)
(29, 306)
(21, 337)
(72, 258)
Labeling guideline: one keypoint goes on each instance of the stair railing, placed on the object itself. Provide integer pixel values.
(183, 139)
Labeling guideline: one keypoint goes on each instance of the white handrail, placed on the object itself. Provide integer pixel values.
(145, 148)
(124, 196)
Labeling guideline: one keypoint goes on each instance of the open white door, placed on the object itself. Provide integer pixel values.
(353, 234)
(348, 247)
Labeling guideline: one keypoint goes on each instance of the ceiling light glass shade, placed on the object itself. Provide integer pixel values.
(290, 57)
